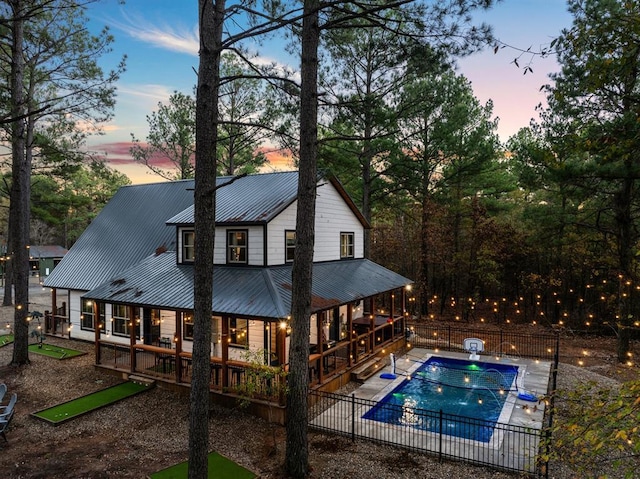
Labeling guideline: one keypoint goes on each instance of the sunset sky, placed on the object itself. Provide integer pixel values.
(159, 38)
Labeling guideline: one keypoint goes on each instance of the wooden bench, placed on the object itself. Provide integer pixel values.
(367, 369)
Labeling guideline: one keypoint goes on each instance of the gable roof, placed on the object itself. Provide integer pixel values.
(130, 227)
(139, 219)
(259, 292)
(257, 199)
(249, 199)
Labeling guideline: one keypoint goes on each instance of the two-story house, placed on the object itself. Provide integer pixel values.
(127, 283)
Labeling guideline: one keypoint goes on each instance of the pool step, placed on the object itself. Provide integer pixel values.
(366, 370)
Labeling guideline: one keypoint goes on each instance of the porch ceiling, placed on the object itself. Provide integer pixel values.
(263, 292)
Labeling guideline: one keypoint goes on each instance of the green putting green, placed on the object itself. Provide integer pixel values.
(82, 405)
(52, 351)
(6, 339)
(219, 468)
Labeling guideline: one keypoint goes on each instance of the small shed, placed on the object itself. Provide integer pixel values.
(43, 258)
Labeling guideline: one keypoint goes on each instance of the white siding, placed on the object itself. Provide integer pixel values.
(255, 244)
(333, 216)
(275, 234)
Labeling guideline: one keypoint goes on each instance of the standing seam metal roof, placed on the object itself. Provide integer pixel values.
(260, 292)
(250, 199)
(130, 227)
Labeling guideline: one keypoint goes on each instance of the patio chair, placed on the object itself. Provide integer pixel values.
(6, 414)
(7, 410)
(4, 425)
(3, 391)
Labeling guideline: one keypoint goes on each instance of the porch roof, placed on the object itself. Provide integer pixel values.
(260, 292)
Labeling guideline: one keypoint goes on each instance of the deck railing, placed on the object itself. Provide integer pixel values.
(500, 446)
(242, 378)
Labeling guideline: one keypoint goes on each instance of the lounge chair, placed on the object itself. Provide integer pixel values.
(3, 391)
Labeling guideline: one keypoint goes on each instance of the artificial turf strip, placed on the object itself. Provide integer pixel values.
(6, 339)
(82, 405)
(57, 352)
(219, 468)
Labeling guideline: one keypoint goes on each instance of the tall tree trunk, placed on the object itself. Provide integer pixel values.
(211, 16)
(624, 220)
(297, 452)
(20, 192)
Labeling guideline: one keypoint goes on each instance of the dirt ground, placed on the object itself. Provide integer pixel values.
(144, 434)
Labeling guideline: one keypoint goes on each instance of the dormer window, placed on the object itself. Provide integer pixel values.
(188, 246)
(237, 246)
(346, 245)
(289, 245)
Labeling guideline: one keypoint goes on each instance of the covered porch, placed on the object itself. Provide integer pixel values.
(341, 339)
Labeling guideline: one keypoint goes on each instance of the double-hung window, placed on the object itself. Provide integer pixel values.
(346, 245)
(289, 245)
(187, 330)
(239, 332)
(122, 322)
(188, 246)
(87, 318)
(237, 246)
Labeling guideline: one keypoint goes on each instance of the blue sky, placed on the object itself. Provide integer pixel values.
(159, 38)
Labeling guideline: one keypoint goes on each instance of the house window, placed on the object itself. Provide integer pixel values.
(346, 245)
(289, 245)
(237, 247)
(187, 326)
(121, 321)
(87, 318)
(239, 332)
(188, 246)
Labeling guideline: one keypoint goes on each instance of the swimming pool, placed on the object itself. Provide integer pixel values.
(473, 389)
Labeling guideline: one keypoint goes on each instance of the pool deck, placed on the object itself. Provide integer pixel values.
(515, 440)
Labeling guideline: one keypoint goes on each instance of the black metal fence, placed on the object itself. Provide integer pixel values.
(475, 441)
(496, 342)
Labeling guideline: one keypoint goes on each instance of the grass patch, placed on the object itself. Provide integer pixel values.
(219, 468)
(52, 351)
(82, 405)
(6, 339)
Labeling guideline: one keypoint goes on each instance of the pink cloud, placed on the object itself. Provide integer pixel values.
(118, 153)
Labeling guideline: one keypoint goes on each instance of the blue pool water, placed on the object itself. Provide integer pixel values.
(473, 389)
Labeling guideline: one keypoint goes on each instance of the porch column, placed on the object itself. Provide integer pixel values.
(352, 345)
(96, 325)
(404, 311)
(132, 338)
(392, 315)
(54, 311)
(177, 339)
(372, 325)
(225, 351)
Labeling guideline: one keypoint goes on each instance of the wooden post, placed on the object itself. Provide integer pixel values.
(177, 340)
(132, 339)
(96, 326)
(54, 311)
(372, 326)
(353, 347)
(225, 351)
(392, 315)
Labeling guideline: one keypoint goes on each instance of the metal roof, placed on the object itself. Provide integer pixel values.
(258, 292)
(249, 199)
(129, 228)
(47, 251)
(138, 220)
